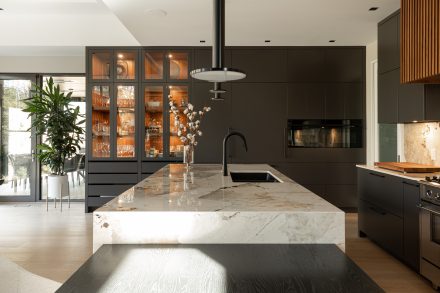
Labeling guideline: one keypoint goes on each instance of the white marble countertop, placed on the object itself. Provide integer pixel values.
(204, 188)
(409, 176)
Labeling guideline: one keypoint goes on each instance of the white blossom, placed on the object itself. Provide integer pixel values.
(199, 133)
(190, 106)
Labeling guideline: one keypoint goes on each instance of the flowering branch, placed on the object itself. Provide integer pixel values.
(189, 130)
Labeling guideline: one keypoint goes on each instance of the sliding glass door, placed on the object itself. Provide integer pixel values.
(17, 144)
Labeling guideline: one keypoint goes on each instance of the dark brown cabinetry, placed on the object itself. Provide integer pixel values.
(282, 83)
(401, 103)
(388, 41)
(388, 213)
(261, 65)
(261, 119)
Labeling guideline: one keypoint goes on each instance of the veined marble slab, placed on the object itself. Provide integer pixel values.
(201, 205)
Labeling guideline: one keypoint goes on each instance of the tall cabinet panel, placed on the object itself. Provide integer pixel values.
(101, 132)
(153, 130)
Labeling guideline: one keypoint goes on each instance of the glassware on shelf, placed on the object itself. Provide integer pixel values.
(153, 99)
(101, 121)
(178, 65)
(179, 95)
(125, 121)
(125, 65)
(153, 63)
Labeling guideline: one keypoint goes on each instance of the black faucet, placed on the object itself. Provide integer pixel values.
(225, 150)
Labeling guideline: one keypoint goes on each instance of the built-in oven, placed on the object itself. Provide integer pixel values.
(430, 231)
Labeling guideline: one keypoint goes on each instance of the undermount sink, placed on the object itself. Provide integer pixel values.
(253, 177)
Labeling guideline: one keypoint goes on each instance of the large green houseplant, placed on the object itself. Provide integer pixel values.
(60, 125)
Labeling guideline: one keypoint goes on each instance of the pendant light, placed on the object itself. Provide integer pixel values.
(217, 73)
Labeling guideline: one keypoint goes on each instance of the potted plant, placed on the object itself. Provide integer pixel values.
(60, 124)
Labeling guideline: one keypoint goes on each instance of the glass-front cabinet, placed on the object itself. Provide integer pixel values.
(100, 125)
(128, 85)
(113, 116)
(154, 99)
(126, 121)
(166, 66)
(179, 95)
(160, 132)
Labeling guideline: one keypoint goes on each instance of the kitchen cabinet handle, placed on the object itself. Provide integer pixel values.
(378, 211)
(431, 210)
(377, 175)
(285, 142)
(411, 184)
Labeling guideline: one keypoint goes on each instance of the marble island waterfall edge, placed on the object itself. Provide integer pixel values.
(202, 206)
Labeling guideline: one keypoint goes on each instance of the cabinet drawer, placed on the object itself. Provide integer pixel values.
(384, 191)
(107, 190)
(151, 167)
(98, 201)
(112, 179)
(112, 167)
(381, 226)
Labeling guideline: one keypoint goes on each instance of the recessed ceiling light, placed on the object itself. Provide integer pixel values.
(373, 9)
(120, 56)
(415, 121)
(267, 41)
(202, 41)
(170, 56)
(332, 41)
(1, 9)
(156, 12)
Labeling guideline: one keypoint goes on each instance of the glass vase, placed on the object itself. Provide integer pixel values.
(188, 155)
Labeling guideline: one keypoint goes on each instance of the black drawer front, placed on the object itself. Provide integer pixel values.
(113, 179)
(151, 167)
(112, 167)
(98, 201)
(107, 190)
(384, 191)
(381, 226)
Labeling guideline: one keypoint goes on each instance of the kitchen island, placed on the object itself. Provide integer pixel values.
(201, 206)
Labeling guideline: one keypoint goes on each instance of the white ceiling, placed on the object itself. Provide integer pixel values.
(64, 27)
(250, 22)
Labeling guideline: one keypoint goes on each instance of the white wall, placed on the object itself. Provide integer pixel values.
(42, 64)
(371, 104)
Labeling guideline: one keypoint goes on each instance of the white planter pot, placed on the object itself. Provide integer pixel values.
(57, 186)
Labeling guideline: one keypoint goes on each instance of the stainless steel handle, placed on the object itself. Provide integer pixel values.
(431, 210)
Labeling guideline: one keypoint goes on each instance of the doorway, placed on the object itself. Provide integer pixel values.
(18, 166)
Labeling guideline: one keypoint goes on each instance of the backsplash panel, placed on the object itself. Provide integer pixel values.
(422, 143)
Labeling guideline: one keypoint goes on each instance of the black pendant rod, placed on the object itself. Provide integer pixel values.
(218, 42)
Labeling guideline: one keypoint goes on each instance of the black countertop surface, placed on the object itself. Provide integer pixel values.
(220, 268)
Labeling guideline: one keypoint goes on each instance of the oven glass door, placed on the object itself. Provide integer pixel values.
(430, 233)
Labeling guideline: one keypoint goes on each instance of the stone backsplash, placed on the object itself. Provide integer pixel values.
(422, 143)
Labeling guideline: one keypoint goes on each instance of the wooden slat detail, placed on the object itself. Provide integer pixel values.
(420, 41)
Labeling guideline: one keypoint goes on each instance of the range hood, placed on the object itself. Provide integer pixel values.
(217, 73)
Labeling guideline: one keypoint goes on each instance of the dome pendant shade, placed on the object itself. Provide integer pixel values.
(218, 73)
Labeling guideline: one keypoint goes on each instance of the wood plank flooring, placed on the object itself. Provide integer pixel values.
(54, 245)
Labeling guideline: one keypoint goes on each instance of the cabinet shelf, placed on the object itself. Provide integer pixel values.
(102, 109)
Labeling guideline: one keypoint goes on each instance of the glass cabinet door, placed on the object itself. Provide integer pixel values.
(179, 95)
(125, 121)
(178, 65)
(153, 65)
(101, 121)
(153, 120)
(101, 65)
(126, 63)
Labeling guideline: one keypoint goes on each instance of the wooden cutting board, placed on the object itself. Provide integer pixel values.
(407, 167)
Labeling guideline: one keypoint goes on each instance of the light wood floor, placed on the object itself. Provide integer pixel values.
(54, 245)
